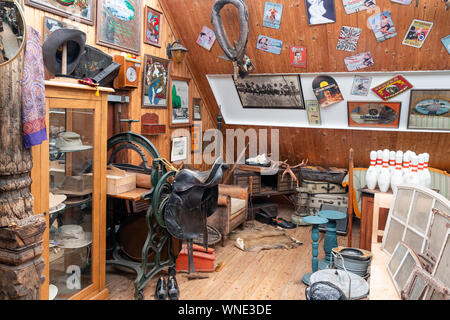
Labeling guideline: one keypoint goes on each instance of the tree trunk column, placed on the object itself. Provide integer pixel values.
(21, 232)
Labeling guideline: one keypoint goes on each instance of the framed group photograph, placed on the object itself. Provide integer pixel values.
(429, 109)
(197, 108)
(152, 27)
(179, 149)
(179, 110)
(373, 114)
(155, 86)
(270, 91)
(118, 24)
(82, 10)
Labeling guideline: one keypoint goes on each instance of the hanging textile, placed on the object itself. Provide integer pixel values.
(33, 91)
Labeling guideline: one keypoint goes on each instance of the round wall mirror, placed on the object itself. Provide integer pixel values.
(12, 30)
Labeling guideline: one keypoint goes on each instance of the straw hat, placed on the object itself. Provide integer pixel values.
(72, 236)
(56, 202)
(70, 141)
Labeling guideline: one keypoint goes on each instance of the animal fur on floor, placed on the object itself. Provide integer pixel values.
(257, 236)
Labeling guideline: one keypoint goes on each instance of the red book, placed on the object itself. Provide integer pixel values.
(298, 56)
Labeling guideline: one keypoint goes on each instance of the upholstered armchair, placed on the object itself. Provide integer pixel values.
(232, 209)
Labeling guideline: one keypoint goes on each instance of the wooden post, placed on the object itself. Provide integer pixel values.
(350, 198)
(21, 231)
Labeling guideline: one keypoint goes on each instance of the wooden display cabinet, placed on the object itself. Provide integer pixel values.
(74, 262)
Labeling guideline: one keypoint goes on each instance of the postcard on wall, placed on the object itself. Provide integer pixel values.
(359, 61)
(417, 33)
(320, 12)
(298, 56)
(326, 91)
(405, 2)
(361, 85)
(382, 26)
(272, 15)
(348, 38)
(313, 111)
(352, 6)
(206, 38)
(446, 42)
(392, 87)
(269, 45)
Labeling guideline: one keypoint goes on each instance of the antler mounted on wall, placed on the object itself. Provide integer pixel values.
(235, 54)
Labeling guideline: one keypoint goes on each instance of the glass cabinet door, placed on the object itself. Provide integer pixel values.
(71, 144)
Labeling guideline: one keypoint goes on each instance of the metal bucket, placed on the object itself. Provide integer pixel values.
(355, 260)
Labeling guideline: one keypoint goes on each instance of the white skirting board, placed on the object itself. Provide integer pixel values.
(334, 116)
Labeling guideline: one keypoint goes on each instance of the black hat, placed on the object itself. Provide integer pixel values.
(75, 40)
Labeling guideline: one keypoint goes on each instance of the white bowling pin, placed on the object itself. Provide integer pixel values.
(420, 170)
(413, 177)
(426, 172)
(406, 163)
(379, 160)
(391, 162)
(397, 176)
(384, 178)
(372, 174)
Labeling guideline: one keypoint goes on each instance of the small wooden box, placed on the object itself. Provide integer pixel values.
(119, 181)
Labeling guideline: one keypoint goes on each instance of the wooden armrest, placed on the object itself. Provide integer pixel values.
(222, 201)
(234, 191)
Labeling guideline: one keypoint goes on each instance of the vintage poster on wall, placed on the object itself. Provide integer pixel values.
(326, 91)
(348, 38)
(320, 11)
(417, 33)
(392, 87)
(51, 25)
(382, 26)
(298, 56)
(206, 38)
(79, 10)
(155, 82)
(352, 6)
(361, 85)
(179, 149)
(313, 111)
(359, 61)
(405, 2)
(373, 114)
(269, 45)
(118, 24)
(270, 91)
(152, 23)
(180, 102)
(272, 15)
(429, 109)
(446, 42)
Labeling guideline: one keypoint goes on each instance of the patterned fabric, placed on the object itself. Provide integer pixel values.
(33, 91)
(440, 180)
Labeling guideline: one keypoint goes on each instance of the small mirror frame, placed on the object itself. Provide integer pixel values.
(22, 46)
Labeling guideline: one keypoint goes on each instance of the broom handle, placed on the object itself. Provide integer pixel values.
(350, 198)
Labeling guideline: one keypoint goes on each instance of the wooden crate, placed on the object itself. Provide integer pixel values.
(243, 178)
(119, 181)
(287, 183)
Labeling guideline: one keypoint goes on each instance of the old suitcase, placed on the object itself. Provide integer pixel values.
(319, 187)
(317, 173)
(316, 201)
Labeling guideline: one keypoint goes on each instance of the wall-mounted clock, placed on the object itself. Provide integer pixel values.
(129, 72)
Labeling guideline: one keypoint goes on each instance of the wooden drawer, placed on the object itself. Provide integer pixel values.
(244, 180)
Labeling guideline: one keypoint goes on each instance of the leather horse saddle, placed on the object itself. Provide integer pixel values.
(193, 199)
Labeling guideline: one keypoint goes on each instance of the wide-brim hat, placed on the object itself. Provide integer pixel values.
(72, 236)
(70, 141)
(56, 202)
(52, 54)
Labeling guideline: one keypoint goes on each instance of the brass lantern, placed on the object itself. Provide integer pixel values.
(176, 51)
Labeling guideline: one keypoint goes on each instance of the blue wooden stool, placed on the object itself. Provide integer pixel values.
(315, 221)
(330, 240)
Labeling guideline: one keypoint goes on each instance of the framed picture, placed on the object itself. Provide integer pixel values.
(51, 25)
(373, 114)
(196, 137)
(429, 109)
(197, 108)
(180, 114)
(179, 149)
(155, 86)
(320, 11)
(152, 27)
(270, 91)
(81, 10)
(118, 24)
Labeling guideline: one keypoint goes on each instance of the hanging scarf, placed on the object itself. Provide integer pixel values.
(33, 91)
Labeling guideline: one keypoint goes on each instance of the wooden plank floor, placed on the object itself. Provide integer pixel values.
(266, 275)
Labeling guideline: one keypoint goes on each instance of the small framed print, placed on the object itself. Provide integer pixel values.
(197, 108)
(429, 109)
(180, 114)
(179, 149)
(373, 114)
(155, 82)
(152, 25)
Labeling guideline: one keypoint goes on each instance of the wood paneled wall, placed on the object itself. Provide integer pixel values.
(133, 110)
